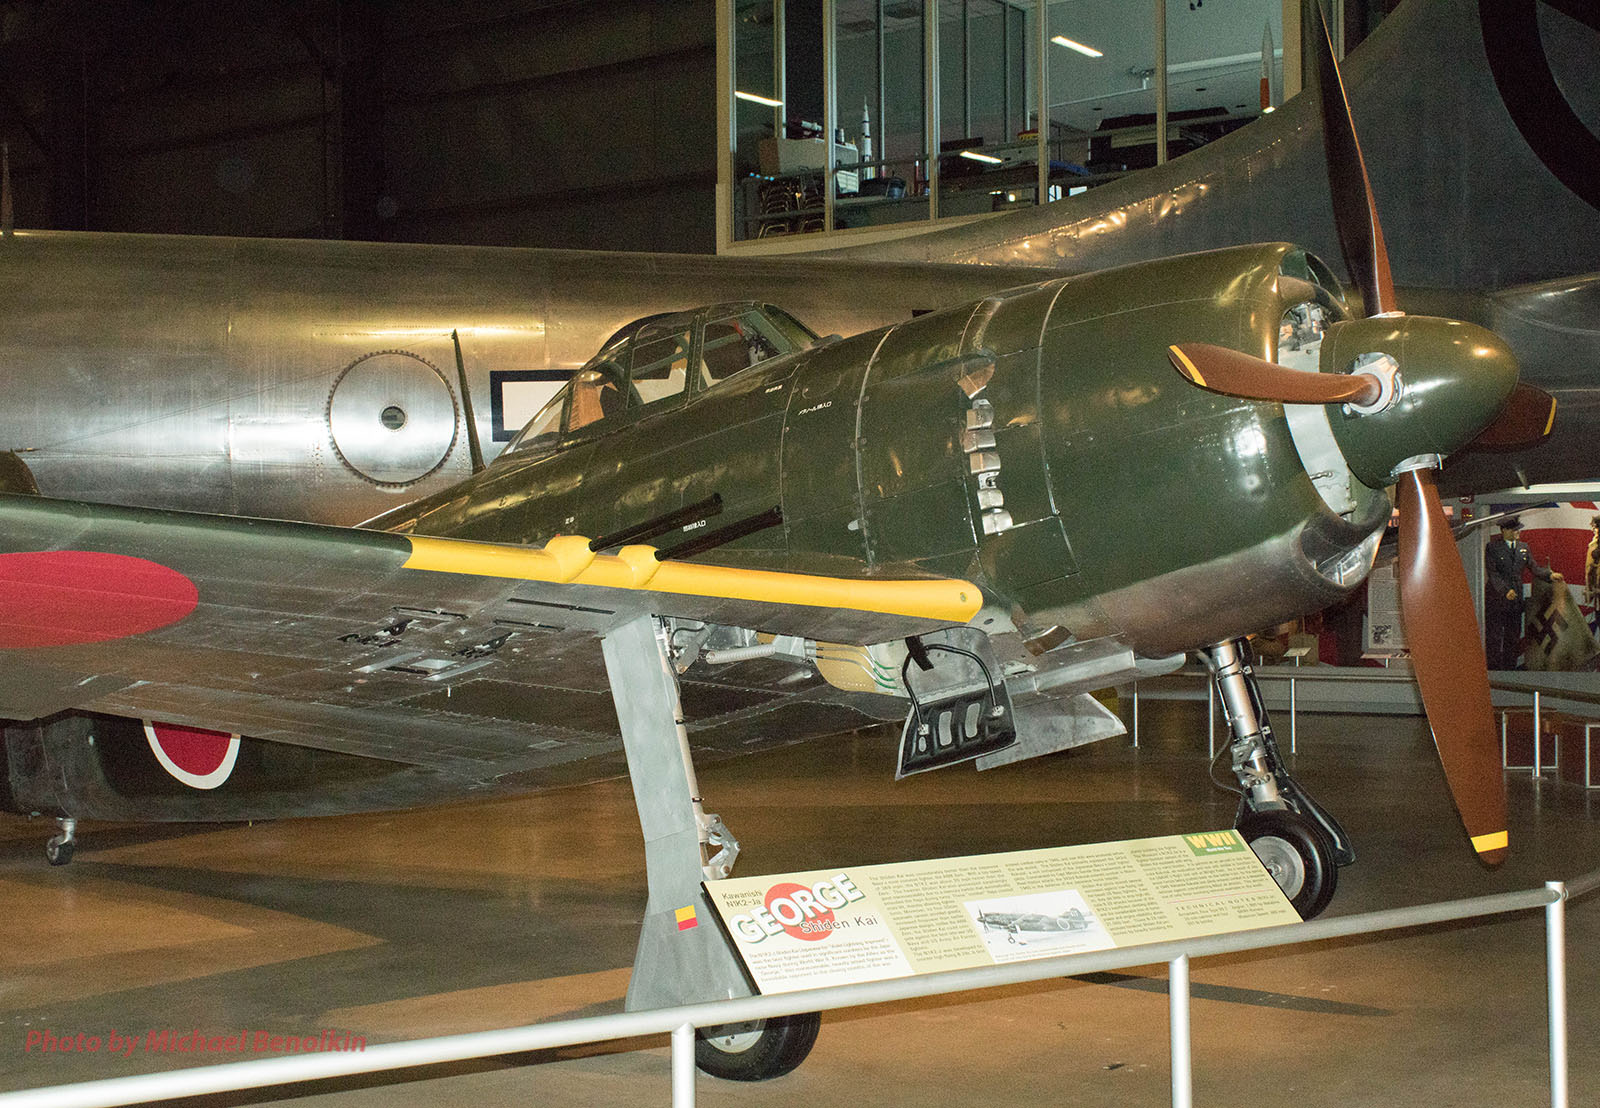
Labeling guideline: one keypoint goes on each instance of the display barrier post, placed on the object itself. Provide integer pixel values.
(1136, 715)
(1538, 766)
(683, 1066)
(1555, 950)
(1178, 1002)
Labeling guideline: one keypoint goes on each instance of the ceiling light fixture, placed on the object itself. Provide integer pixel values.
(989, 159)
(1086, 51)
(754, 99)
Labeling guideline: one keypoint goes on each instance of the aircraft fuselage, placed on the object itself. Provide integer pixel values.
(1037, 441)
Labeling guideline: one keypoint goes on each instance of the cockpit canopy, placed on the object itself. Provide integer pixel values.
(662, 359)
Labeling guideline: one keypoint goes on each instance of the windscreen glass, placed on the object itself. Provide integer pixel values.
(739, 340)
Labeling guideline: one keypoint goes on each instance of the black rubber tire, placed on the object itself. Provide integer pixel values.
(1319, 872)
(777, 1047)
(58, 853)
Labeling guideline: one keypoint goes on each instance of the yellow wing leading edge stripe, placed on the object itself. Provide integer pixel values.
(568, 560)
(1496, 840)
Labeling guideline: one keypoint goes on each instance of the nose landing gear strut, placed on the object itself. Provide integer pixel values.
(1298, 841)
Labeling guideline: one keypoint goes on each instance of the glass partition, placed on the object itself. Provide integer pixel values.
(936, 103)
(987, 151)
(1103, 76)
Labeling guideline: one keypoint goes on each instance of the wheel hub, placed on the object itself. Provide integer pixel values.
(736, 1038)
(1283, 861)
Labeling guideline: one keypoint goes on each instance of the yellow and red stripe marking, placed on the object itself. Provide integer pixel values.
(73, 597)
(686, 917)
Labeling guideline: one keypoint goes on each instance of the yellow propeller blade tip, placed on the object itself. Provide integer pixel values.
(1492, 847)
(1187, 367)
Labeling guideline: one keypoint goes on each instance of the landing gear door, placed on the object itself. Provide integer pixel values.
(960, 707)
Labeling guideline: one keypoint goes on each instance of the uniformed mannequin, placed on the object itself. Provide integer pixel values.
(1504, 560)
(1591, 566)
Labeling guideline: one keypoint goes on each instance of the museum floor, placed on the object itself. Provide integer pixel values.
(515, 911)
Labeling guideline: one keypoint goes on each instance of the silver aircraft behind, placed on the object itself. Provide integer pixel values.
(318, 381)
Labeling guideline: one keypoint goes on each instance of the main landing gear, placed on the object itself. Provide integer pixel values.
(682, 956)
(1300, 844)
(757, 1051)
(58, 849)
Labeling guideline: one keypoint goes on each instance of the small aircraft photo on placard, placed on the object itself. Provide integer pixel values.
(1014, 928)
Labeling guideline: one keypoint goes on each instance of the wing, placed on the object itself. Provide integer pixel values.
(472, 661)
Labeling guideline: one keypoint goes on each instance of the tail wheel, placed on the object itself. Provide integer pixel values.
(757, 1051)
(1297, 854)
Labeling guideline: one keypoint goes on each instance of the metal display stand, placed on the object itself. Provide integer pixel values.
(682, 956)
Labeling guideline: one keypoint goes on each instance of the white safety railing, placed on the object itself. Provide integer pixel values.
(1511, 694)
(681, 1022)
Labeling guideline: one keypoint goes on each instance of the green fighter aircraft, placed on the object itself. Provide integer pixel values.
(968, 521)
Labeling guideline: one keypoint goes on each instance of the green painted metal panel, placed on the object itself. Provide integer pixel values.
(1142, 462)
(821, 506)
(1031, 554)
(927, 527)
(723, 442)
(1013, 321)
(911, 430)
(925, 341)
(514, 501)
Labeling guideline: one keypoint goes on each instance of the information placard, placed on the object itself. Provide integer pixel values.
(868, 923)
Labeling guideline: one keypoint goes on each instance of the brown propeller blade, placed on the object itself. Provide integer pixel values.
(1447, 654)
(1525, 421)
(1355, 213)
(1234, 374)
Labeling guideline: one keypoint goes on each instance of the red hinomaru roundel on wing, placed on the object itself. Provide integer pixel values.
(69, 597)
(199, 758)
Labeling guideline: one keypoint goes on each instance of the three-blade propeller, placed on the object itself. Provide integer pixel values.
(1436, 602)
